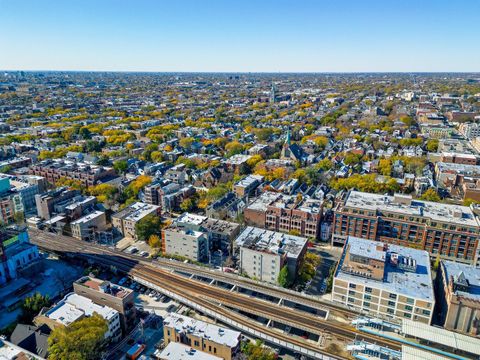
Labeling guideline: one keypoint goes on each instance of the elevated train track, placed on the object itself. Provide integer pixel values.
(215, 299)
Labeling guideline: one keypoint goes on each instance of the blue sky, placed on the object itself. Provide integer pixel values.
(240, 35)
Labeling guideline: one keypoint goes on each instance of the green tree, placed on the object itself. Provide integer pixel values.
(430, 195)
(257, 351)
(187, 204)
(432, 145)
(120, 166)
(468, 202)
(284, 277)
(31, 306)
(82, 340)
(186, 142)
(324, 164)
(148, 226)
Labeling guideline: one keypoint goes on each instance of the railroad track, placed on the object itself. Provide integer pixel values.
(232, 279)
(206, 294)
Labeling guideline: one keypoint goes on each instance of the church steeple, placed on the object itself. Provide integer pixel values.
(287, 138)
(273, 96)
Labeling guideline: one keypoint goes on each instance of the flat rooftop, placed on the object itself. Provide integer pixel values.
(136, 211)
(74, 306)
(178, 351)
(271, 241)
(283, 201)
(249, 181)
(464, 169)
(85, 219)
(461, 215)
(237, 159)
(104, 287)
(218, 334)
(416, 284)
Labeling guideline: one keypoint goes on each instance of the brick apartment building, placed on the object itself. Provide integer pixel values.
(285, 213)
(88, 175)
(450, 230)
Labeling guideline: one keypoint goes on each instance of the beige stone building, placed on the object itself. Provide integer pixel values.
(126, 219)
(383, 280)
(202, 336)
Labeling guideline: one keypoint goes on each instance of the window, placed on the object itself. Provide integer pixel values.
(408, 308)
(366, 304)
(368, 297)
(426, 312)
(410, 301)
(390, 311)
(368, 290)
(352, 286)
(391, 303)
(392, 296)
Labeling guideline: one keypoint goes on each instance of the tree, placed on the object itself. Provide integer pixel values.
(154, 241)
(324, 164)
(82, 340)
(385, 167)
(186, 142)
(254, 160)
(85, 133)
(432, 145)
(31, 306)
(308, 267)
(407, 120)
(187, 204)
(156, 156)
(352, 159)
(284, 277)
(256, 351)
(233, 148)
(468, 202)
(148, 226)
(436, 265)
(120, 166)
(430, 195)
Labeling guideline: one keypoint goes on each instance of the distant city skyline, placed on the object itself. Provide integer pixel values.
(269, 36)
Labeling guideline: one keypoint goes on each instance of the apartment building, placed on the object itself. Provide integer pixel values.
(247, 185)
(45, 203)
(286, 213)
(185, 242)
(112, 295)
(264, 253)
(237, 163)
(74, 307)
(17, 254)
(459, 296)
(384, 280)
(220, 233)
(202, 336)
(86, 227)
(88, 175)
(458, 158)
(179, 351)
(469, 130)
(126, 219)
(449, 175)
(449, 230)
